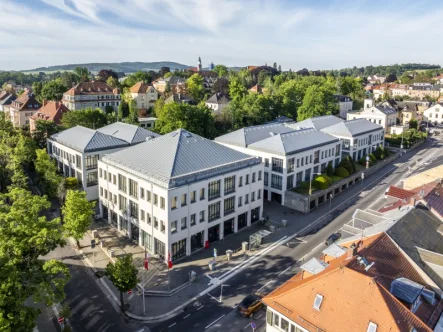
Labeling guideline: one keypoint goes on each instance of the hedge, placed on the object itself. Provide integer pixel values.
(330, 169)
(322, 182)
(347, 164)
(342, 172)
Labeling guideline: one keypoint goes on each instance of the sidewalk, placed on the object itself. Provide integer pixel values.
(156, 279)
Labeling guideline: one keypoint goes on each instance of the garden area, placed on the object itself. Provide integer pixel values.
(346, 168)
(410, 137)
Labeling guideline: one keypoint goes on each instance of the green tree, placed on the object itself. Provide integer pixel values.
(317, 102)
(139, 76)
(123, 274)
(53, 90)
(168, 74)
(26, 236)
(413, 124)
(37, 89)
(82, 74)
(133, 113)
(43, 130)
(195, 87)
(237, 90)
(197, 119)
(77, 214)
(47, 172)
(112, 82)
(123, 110)
(221, 70)
(88, 117)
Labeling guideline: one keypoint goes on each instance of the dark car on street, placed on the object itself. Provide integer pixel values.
(332, 238)
(249, 305)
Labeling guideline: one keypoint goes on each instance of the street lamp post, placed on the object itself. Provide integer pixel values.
(401, 145)
(310, 182)
(330, 200)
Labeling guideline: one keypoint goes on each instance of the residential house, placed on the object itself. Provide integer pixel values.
(398, 90)
(367, 284)
(374, 79)
(290, 154)
(358, 137)
(380, 90)
(22, 108)
(77, 150)
(50, 111)
(144, 94)
(180, 191)
(217, 101)
(258, 89)
(6, 99)
(420, 92)
(179, 98)
(434, 114)
(439, 79)
(91, 94)
(175, 84)
(383, 115)
(345, 104)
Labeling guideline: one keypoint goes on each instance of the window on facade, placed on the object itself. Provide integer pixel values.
(91, 179)
(193, 196)
(269, 317)
(265, 182)
(192, 219)
(229, 184)
(277, 165)
(109, 177)
(229, 205)
(142, 193)
(291, 165)
(202, 216)
(122, 202)
(148, 218)
(240, 181)
(173, 226)
(133, 188)
(266, 162)
(253, 196)
(142, 215)
(247, 179)
(155, 199)
(253, 177)
(100, 173)
(298, 162)
(290, 182)
(276, 320)
(284, 325)
(134, 209)
(155, 223)
(114, 179)
(122, 183)
(202, 193)
(78, 161)
(213, 211)
(240, 201)
(162, 226)
(276, 181)
(303, 160)
(214, 189)
(184, 223)
(148, 195)
(259, 175)
(101, 191)
(91, 162)
(105, 175)
(174, 203)
(247, 199)
(317, 157)
(346, 144)
(162, 202)
(259, 194)
(184, 200)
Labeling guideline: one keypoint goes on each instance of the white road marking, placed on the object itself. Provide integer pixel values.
(171, 325)
(209, 276)
(236, 306)
(215, 321)
(258, 316)
(200, 307)
(264, 285)
(186, 316)
(214, 298)
(249, 324)
(283, 271)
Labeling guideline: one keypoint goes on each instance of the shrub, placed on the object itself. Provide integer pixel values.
(304, 185)
(322, 182)
(330, 169)
(347, 164)
(342, 172)
(354, 168)
(362, 161)
(372, 157)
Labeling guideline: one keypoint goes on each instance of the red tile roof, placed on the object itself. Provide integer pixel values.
(352, 296)
(139, 87)
(51, 111)
(92, 88)
(25, 101)
(400, 193)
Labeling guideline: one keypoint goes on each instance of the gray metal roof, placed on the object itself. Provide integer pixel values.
(293, 142)
(218, 98)
(406, 290)
(352, 128)
(334, 250)
(84, 139)
(318, 122)
(314, 266)
(249, 135)
(127, 132)
(386, 109)
(178, 158)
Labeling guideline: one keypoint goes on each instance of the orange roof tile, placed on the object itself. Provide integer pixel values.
(91, 88)
(399, 192)
(139, 87)
(352, 296)
(51, 111)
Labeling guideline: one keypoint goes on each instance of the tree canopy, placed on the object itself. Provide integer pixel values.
(88, 117)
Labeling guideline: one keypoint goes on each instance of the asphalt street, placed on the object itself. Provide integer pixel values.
(209, 314)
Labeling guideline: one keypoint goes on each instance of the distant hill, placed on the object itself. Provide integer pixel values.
(126, 67)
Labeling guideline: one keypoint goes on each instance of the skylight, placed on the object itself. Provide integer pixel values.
(372, 327)
(317, 302)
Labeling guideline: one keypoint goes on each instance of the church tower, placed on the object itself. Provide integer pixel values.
(199, 64)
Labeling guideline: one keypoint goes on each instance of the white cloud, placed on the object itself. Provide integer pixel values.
(232, 32)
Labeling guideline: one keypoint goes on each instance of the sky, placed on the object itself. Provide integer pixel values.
(313, 34)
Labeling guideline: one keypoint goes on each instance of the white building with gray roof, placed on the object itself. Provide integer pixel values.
(78, 149)
(358, 137)
(291, 152)
(380, 114)
(173, 193)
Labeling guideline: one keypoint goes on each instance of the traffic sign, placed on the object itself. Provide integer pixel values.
(130, 292)
(253, 325)
(146, 264)
(92, 243)
(61, 319)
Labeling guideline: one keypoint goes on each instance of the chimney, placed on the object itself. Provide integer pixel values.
(44, 102)
(352, 250)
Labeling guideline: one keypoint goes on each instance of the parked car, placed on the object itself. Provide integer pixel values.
(250, 304)
(332, 238)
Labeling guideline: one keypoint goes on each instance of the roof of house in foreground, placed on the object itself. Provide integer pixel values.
(178, 158)
(351, 294)
(112, 136)
(352, 128)
(318, 122)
